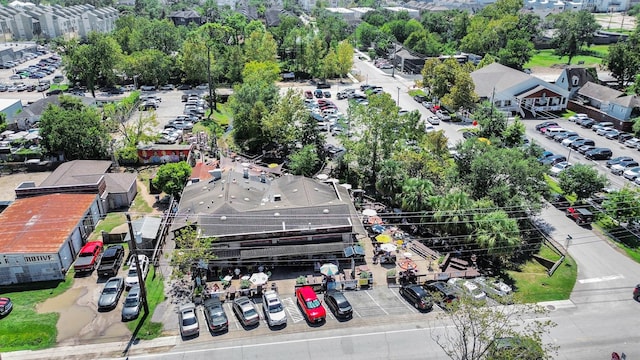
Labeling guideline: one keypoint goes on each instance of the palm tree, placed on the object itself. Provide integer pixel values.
(416, 194)
(497, 233)
(454, 213)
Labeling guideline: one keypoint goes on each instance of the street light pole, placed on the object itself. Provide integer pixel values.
(398, 101)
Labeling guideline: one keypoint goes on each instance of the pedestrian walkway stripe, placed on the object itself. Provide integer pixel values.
(292, 308)
(601, 279)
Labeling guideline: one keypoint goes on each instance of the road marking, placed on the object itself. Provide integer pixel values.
(375, 302)
(403, 301)
(292, 308)
(601, 279)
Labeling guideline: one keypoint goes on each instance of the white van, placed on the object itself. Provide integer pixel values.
(550, 133)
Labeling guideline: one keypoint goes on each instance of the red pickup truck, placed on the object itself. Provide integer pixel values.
(89, 257)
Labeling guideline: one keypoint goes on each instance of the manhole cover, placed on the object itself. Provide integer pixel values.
(551, 307)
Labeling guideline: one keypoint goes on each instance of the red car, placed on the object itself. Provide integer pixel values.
(310, 304)
(308, 94)
(89, 257)
(5, 306)
(636, 293)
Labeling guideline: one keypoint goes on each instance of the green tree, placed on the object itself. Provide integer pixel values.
(622, 60)
(582, 180)
(73, 130)
(261, 47)
(344, 58)
(314, 52)
(453, 214)
(392, 177)
(474, 329)
(3, 122)
(573, 31)
(623, 205)
(304, 161)
(424, 42)
(492, 122)
(416, 194)
(462, 94)
(172, 178)
(150, 66)
(93, 62)
(496, 232)
(281, 127)
(516, 53)
(190, 251)
(329, 65)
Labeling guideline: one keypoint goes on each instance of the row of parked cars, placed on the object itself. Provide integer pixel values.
(622, 165)
(40, 70)
(25, 57)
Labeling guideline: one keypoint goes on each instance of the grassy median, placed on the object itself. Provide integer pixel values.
(155, 295)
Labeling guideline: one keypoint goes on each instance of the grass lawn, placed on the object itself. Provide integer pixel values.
(222, 116)
(554, 187)
(108, 223)
(24, 328)
(534, 285)
(62, 87)
(155, 295)
(546, 58)
(140, 204)
(627, 241)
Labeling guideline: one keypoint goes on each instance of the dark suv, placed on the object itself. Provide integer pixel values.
(417, 296)
(636, 293)
(444, 293)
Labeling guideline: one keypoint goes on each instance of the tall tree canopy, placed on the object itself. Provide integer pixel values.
(573, 30)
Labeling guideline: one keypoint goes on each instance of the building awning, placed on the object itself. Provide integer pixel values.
(291, 250)
(536, 89)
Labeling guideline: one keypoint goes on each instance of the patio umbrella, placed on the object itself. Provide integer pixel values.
(378, 228)
(384, 238)
(388, 247)
(375, 220)
(369, 212)
(407, 264)
(259, 278)
(329, 269)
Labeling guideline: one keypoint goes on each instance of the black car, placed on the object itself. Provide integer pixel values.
(599, 154)
(560, 202)
(553, 159)
(323, 85)
(365, 87)
(215, 315)
(420, 98)
(444, 293)
(545, 124)
(587, 123)
(54, 92)
(417, 296)
(338, 304)
(618, 160)
(624, 137)
(469, 134)
(636, 293)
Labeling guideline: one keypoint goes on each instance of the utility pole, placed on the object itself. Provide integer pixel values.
(133, 248)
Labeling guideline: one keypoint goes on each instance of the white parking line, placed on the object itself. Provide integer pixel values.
(402, 300)
(600, 279)
(375, 302)
(292, 308)
(231, 316)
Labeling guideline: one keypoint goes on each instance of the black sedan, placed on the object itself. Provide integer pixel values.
(599, 154)
(417, 296)
(338, 304)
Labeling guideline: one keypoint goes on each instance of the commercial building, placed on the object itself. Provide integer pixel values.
(42, 235)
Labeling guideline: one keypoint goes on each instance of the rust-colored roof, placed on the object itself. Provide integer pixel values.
(201, 171)
(41, 224)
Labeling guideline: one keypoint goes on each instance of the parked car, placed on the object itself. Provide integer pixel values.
(602, 125)
(632, 143)
(147, 88)
(621, 167)
(612, 134)
(444, 293)
(618, 160)
(584, 148)
(311, 306)
(188, 320)
(564, 135)
(553, 159)
(443, 115)
(273, 309)
(89, 257)
(578, 143)
(111, 261)
(323, 85)
(587, 123)
(420, 98)
(338, 304)
(632, 173)
(132, 276)
(545, 124)
(599, 154)
(110, 294)
(5, 306)
(494, 288)
(577, 117)
(473, 290)
(429, 128)
(570, 139)
(215, 316)
(308, 94)
(545, 154)
(184, 87)
(53, 92)
(433, 120)
(245, 311)
(622, 138)
(580, 215)
(167, 87)
(417, 296)
(327, 94)
(318, 93)
(636, 293)
(559, 167)
(132, 303)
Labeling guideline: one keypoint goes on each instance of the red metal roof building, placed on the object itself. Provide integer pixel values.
(41, 235)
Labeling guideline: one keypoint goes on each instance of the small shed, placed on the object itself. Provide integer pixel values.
(148, 228)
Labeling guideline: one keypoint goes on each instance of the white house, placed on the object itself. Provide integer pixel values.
(514, 91)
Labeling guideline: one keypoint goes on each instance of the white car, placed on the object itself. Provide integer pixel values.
(474, 290)
(578, 117)
(132, 275)
(559, 167)
(189, 325)
(273, 309)
(429, 128)
(632, 143)
(433, 120)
